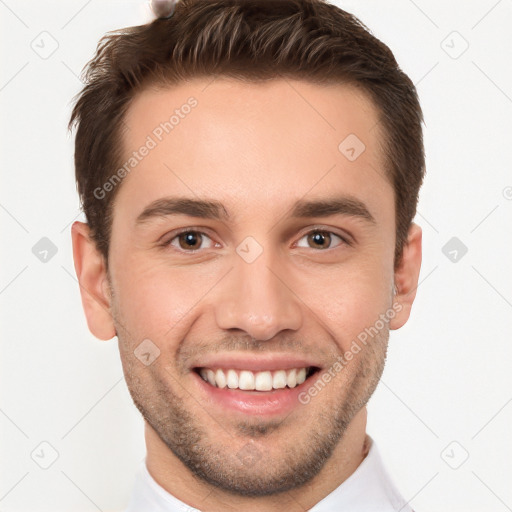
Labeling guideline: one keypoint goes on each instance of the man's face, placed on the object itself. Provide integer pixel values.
(263, 285)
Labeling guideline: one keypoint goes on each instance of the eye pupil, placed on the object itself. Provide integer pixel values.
(189, 239)
(320, 238)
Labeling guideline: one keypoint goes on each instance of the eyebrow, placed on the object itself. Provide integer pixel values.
(209, 209)
(183, 206)
(343, 205)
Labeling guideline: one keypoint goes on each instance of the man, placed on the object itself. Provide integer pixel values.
(250, 171)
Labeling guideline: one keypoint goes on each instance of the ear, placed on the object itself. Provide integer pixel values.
(406, 277)
(91, 272)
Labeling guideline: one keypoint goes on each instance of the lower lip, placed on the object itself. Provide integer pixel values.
(275, 402)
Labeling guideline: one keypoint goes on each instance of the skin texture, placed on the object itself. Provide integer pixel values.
(256, 148)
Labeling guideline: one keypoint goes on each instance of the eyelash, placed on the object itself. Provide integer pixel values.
(168, 243)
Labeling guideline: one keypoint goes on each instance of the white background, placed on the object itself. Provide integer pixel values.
(448, 374)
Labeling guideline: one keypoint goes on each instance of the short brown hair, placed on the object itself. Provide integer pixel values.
(249, 40)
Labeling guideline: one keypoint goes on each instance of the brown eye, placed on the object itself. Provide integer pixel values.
(320, 240)
(190, 241)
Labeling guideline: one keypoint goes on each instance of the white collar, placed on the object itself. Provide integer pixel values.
(368, 489)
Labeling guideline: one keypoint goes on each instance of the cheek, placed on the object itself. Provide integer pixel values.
(351, 300)
(156, 300)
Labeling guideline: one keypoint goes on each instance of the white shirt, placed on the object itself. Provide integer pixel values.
(368, 489)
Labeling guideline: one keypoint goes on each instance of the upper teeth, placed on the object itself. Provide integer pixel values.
(260, 381)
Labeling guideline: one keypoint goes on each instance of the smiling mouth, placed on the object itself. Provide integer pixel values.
(247, 380)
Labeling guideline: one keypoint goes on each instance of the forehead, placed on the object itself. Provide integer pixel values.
(252, 144)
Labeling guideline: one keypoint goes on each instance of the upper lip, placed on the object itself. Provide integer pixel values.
(256, 363)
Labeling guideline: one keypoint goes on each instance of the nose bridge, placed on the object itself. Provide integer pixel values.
(256, 298)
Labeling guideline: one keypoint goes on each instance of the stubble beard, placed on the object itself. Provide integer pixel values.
(249, 471)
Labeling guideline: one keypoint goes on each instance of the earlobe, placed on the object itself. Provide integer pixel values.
(92, 276)
(406, 277)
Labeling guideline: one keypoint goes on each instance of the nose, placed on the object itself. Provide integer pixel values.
(256, 298)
